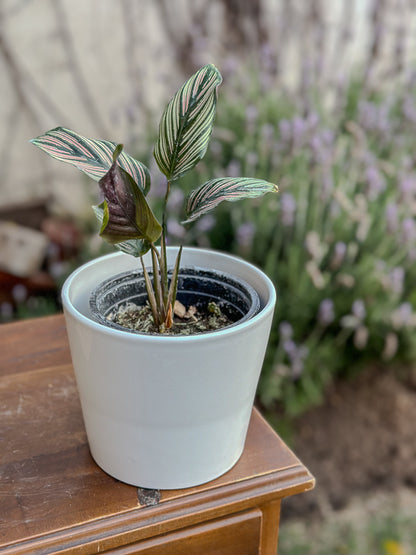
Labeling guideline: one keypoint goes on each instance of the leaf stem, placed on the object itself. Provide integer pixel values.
(165, 204)
(157, 285)
(163, 265)
(151, 295)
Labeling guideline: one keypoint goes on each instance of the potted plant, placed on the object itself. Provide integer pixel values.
(164, 410)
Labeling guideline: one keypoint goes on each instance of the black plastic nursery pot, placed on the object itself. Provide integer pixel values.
(238, 300)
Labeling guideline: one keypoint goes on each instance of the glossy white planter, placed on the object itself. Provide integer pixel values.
(166, 412)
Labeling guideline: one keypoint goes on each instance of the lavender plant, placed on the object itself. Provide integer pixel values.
(127, 220)
(341, 242)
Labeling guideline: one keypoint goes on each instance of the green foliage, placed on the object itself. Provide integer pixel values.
(210, 194)
(387, 532)
(340, 241)
(186, 124)
(126, 218)
(91, 156)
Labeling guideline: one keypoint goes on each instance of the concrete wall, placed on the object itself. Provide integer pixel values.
(102, 67)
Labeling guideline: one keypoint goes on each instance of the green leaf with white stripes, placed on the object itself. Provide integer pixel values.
(186, 124)
(210, 194)
(91, 156)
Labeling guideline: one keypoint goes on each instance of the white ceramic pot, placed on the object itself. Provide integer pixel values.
(166, 412)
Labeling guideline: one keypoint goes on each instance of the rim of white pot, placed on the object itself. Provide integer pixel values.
(267, 305)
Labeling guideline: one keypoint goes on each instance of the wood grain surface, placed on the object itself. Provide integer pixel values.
(53, 497)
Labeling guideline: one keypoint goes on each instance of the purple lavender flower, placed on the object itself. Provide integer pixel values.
(252, 114)
(328, 136)
(402, 316)
(289, 346)
(302, 354)
(407, 188)
(267, 57)
(375, 181)
(358, 309)
(409, 108)
(216, 149)
(319, 153)
(245, 234)
(285, 130)
(230, 65)
(321, 145)
(285, 330)
(288, 209)
(296, 355)
(158, 189)
(297, 366)
(406, 311)
(312, 121)
(326, 312)
(299, 129)
(397, 280)
(252, 159)
(392, 217)
(340, 250)
(373, 117)
(267, 132)
(409, 230)
(175, 228)
(206, 223)
(234, 168)
(176, 199)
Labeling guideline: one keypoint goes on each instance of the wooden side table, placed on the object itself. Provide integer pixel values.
(54, 499)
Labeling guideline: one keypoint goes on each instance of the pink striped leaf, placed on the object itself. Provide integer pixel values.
(91, 156)
(186, 124)
(210, 194)
(126, 213)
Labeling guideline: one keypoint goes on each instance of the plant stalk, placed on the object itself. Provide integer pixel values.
(163, 265)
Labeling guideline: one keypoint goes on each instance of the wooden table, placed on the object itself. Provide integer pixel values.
(55, 499)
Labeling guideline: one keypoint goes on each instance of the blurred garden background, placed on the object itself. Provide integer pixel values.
(318, 96)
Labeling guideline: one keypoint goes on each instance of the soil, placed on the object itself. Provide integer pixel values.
(186, 320)
(360, 442)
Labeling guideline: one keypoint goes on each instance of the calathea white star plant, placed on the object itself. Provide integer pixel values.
(127, 221)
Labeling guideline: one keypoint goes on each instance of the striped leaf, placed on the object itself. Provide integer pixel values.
(89, 155)
(186, 124)
(126, 213)
(211, 193)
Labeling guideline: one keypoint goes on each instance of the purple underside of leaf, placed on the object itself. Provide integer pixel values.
(133, 247)
(126, 212)
(120, 205)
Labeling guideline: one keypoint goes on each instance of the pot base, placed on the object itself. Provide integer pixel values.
(191, 471)
(166, 412)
